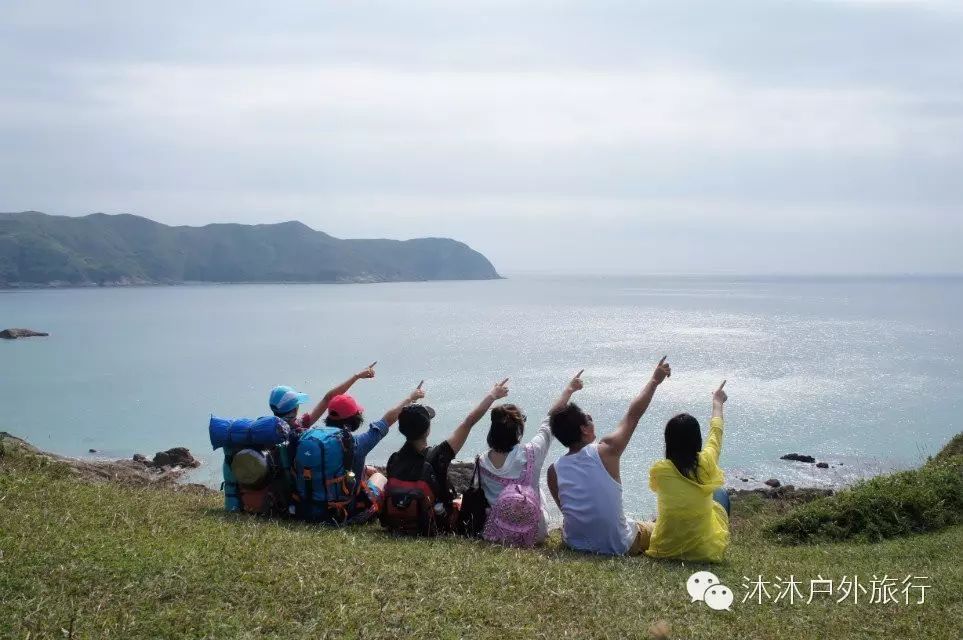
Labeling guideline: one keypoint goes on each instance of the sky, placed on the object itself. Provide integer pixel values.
(737, 137)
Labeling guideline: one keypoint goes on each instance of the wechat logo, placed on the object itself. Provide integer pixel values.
(706, 586)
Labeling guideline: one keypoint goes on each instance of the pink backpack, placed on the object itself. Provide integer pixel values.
(513, 519)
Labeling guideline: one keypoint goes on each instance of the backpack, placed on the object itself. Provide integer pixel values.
(513, 519)
(474, 506)
(260, 480)
(409, 507)
(326, 489)
(256, 463)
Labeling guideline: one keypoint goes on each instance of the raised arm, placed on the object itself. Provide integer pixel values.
(615, 443)
(391, 416)
(457, 439)
(575, 384)
(322, 406)
(543, 437)
(714, 442)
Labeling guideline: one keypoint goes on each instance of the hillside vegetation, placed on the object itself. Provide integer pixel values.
(42, 250)
(108, 560)
(915, 501)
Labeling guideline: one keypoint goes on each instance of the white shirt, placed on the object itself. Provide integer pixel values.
(513, 467)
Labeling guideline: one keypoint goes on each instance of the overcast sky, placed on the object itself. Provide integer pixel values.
(735, 137)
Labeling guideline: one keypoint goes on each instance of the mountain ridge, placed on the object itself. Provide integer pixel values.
(99, 249)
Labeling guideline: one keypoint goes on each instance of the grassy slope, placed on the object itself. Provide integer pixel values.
(110, 561)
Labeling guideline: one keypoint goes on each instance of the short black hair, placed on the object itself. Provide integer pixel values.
(566, 424)
(350, 423)
(415, 421)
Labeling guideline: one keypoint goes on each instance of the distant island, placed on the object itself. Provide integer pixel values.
(40, 250)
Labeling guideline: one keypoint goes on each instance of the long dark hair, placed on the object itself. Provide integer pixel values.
(683, 442)
(508, 425)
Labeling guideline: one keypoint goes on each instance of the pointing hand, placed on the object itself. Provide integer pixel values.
(576, 384)
(418, 393)
(662, 371)
(719, 395)
(368, 372)
(500, 390)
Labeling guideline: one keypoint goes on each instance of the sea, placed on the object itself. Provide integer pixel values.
(864, 373)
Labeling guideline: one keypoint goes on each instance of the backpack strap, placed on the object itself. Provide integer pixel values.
(527, 471)
(500, 480)
(475, 482)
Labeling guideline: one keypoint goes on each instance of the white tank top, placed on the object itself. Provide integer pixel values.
(592, 515)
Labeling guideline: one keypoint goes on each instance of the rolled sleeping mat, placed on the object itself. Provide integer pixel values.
(263, 432)
(250, 468)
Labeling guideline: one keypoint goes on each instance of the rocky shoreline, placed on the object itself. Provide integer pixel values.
(167, 468)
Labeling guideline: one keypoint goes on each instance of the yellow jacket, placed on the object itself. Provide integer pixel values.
(691, 525)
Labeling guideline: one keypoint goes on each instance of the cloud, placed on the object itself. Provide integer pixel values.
(663, 120)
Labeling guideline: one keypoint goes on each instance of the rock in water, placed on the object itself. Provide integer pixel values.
(141, 458)
(798, 457)
(772, 482)
(176, 457)
(822, 465)
(13, 334)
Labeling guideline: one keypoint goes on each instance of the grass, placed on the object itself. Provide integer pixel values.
(953, 449)
(109, 561)
(915, 501)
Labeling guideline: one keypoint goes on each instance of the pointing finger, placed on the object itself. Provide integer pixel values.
(579, 374)
(502, 383)
(722, 385)
(419, 384)
(371, 366)
(662, 361)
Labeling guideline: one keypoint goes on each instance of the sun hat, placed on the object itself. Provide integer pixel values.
(284, 399)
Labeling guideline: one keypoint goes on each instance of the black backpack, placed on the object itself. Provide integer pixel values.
(474, 506)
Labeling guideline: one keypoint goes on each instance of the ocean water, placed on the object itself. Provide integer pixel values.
(863, 372)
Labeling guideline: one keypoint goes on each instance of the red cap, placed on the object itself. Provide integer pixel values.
(344, 406)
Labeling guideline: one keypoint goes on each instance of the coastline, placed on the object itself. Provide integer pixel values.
(137, 471)
(131, 284)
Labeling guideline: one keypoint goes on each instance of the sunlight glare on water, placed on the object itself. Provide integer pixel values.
(865, 372)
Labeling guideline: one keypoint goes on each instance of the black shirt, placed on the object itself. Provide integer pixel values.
(409, 465)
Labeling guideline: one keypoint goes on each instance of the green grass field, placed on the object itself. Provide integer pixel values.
(109, 561)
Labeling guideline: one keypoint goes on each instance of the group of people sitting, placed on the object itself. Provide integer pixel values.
(504, 502)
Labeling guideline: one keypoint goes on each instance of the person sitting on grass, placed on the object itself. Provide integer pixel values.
(416, 461)
(506, 458)
(693, 520)
(285, 401)
(345, 412)
(586, 482)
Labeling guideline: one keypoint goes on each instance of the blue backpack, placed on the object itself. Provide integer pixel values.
(326, 489)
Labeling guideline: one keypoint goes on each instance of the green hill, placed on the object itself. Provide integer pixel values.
(43, 250)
